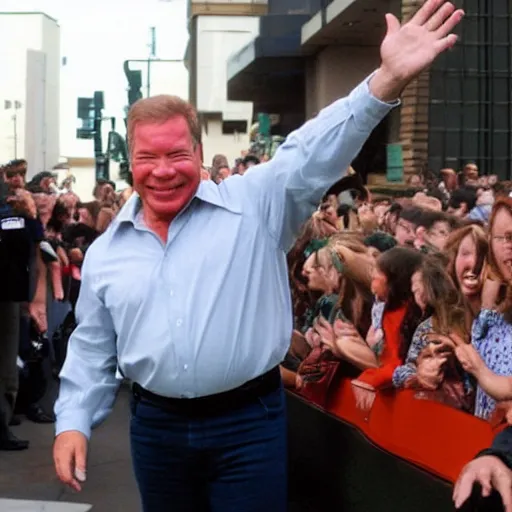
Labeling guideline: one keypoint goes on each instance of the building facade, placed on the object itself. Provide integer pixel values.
(459, 111)
(29, 89)
(217, 28)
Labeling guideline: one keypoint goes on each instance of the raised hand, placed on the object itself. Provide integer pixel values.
(410, 48)
(430, 368)
(325, 330)
(470, 359)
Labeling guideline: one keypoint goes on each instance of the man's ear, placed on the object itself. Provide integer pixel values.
(464, 207)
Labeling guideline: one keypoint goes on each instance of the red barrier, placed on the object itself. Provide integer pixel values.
(433, 436)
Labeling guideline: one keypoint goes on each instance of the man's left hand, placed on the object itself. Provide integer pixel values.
(409, 49)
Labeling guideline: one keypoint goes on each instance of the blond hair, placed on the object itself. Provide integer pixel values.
(160, 109)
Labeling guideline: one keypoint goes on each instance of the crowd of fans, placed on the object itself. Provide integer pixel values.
(410, 291)
(45, 231)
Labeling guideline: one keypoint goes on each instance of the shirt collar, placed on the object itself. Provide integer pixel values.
(207, 192)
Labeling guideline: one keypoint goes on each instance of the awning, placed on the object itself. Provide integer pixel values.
(348, 22)
(269, 71)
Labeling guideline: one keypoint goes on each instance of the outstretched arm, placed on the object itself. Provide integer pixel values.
(290, 186)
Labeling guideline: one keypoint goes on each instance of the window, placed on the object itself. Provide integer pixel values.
(232, 127)
(470, 114)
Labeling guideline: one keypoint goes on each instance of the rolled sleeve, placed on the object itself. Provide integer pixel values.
(312, 159)
(88, 383)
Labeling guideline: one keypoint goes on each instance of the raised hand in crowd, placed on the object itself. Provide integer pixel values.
(470, 359)
(497, 386)
(491, 473)
(429, 368)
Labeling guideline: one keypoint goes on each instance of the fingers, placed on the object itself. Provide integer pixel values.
(426, 12)
(458, 340)
(463, 488)
(440, 17)
(442, 349)
(80, 466)
(502, 483)
(440, 339)
(41, 324)
(323, 322)
(65, 468)
(445, 43)
(449, 25)
(70, 456)
(392, 23)
(485, 482)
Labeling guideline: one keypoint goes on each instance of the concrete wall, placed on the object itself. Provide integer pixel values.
(30, 60)
(335, 71)
(214, 142)
(217, 38)
(51, 47)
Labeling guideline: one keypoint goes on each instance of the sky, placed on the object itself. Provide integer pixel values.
(97, 36)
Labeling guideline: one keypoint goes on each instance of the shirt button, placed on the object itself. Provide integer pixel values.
(172, 293)
(179, 322)
(185, 367)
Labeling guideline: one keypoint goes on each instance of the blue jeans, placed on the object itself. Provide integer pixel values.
(235, 462)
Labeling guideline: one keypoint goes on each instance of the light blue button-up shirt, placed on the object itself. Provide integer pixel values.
(210, 309)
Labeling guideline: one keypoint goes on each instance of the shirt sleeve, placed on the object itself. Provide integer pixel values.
(36, 229)
(501, 447)
(289, 187)
(382, 377)
(88, 383)
(403, 372)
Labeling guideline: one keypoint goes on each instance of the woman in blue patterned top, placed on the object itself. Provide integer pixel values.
(431, 366)
(492, 329)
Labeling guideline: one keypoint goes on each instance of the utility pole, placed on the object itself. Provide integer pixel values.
(152, 55)
(15, 133)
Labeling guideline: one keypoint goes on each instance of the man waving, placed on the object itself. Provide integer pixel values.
(208, 423)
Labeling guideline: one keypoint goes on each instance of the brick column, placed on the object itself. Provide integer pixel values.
(414, 111)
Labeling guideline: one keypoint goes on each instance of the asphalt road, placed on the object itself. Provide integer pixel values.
(110, 486)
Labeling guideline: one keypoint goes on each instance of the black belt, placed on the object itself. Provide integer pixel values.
(214, 405)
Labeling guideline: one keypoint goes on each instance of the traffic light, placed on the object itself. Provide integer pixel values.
(134, 78)
(85, 113)
(89, 112)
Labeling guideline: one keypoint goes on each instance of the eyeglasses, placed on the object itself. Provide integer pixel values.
(502, 239)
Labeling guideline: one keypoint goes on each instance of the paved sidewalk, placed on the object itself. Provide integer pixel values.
(110, 486)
